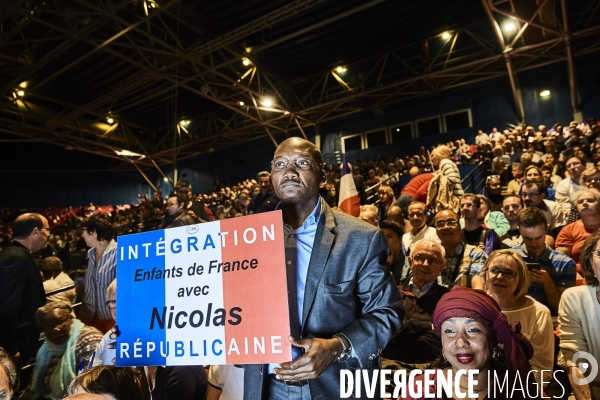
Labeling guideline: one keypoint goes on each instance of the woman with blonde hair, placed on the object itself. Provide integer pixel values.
(507, 280)
(440, 158)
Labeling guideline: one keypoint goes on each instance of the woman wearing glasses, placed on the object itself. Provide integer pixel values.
(579, 319)
(507, 280)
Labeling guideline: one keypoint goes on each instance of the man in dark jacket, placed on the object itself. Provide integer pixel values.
(177, 212)
(21, 289)
(266, 200)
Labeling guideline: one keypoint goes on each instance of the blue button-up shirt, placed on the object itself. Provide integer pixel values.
(298, 249)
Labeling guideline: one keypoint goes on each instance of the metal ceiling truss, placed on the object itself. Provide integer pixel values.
(163, 69)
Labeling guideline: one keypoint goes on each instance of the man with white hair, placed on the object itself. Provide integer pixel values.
(417, 342)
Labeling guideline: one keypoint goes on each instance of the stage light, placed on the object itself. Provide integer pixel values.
(509, 27)
(545, 93)
(241, 103)
(267, 102)
(340, 69)
(20, 93)
(446, 35)
(245, 61)
(110, 120)
(128, 153)
(184, 122)
(165, 179)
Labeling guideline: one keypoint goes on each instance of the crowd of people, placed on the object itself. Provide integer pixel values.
(500, 279)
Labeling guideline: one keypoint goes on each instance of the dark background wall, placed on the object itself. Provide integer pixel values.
(490, 102)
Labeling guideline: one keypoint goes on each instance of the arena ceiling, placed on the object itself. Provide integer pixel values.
(144, 83)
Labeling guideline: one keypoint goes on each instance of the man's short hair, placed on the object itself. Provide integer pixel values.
(183, 184)
(417, 203)
(25, 224)
(101, 224)
(393, 226)
(530, 185)
(531, 217)
(431, 243)
(181, 198)
(54, 264)
(263, 174)
(473, 197)
(516, 197)
(9, 369)
(448, 210)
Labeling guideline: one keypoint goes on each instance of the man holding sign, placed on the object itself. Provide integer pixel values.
(344, 307)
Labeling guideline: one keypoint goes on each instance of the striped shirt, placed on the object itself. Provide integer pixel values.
(97, 278)
(448, 168)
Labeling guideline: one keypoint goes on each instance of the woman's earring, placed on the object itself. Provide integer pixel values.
(496, 353)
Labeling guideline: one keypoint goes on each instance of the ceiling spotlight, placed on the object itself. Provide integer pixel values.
(20, 92)
(110, 120)
(245, 61)
(128, 153)
(267, 102)
(165, 179)
(241, 103)
(509, 27)
(545, 93)
(446, 35)
(340, 69)
(397, 129)
(184, 122)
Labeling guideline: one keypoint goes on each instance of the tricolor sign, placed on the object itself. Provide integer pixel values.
(213, 293)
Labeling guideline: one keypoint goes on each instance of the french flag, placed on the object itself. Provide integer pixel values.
(348, 201)
(213, 293)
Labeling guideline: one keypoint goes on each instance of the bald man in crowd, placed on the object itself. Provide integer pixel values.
(336, 263)
(21, 288)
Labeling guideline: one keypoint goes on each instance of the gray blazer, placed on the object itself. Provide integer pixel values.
(349, 290)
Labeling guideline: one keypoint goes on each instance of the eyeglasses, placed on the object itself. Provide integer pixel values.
(506, 273)
(299, 163)
(450, 222)
(530, 194)
(420, 259)
(112, 304)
